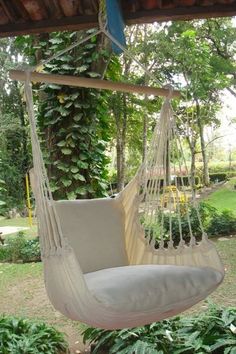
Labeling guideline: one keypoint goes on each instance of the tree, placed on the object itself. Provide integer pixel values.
(188, 60)
(73, 122)
(14, 151)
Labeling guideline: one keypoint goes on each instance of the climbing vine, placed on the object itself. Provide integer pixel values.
(74, 122)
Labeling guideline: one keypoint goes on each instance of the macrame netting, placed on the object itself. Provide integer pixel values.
(145, 198)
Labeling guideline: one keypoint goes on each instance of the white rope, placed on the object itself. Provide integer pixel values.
(131, 56)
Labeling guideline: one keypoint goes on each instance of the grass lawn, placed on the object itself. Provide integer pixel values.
(225, 197)
(20, 222)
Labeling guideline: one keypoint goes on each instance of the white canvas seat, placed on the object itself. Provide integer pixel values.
(156, 288)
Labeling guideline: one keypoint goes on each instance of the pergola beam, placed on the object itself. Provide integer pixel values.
(91, 83)
(83, 22)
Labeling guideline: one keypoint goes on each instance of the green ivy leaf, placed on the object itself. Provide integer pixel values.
(63, 111)
(66, 151)
(74, 96)
(71, 195)
(81, 68)
(79, 177)
(83, 164)
(74, 169)
(78, 117)
(66, 182)
(81, 190)
(56, 40)
(67, 67)
(54, 86)
(93, 74)
(82, 156)
(61, 143)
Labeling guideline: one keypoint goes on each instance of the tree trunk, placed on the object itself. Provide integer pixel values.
(192, 146)
(145, 127)
(145, 116)
(119, 160)
(205, 174)
(119, 108)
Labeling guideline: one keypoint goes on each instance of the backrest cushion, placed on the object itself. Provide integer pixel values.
(95, 230)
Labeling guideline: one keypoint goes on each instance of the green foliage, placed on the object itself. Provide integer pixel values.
(18, 248)
(30, 252)
(223, 223)
(2, 195)
(210, 332)
(218, 177)
(231, 174)
(14, 149)
(74, 122)
(222, 166)
(206, 212)
(21, 336)
(214, 222)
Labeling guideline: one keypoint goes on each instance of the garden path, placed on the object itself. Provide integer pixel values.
(7, 230)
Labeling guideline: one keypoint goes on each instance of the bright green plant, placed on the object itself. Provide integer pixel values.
(223, 223)
(20, 249)
(30, 252)
(73, 122)
(15, 245)
(210, 332)
(206, 212)
(215, 223)
(14, 147)
(2, 196)
(218, 177)
(21, 336)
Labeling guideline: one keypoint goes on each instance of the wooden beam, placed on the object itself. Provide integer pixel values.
(22, 13)
(91, 83)
(8, 10)
(180, 13)
(76, 23)
(83, 22)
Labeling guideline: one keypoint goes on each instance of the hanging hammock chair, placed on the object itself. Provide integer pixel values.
(100, 266)
(105, 267)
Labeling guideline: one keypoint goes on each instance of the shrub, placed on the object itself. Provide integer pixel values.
(215, 223)
(184, 181)
(19, 335)
(2, 197)
(210, 332)
(231, 174)
(15, 244)
(223, 223)
(18, 249)
(222, 166)
(179, 181)
(206, 212)
(30, 252)
(218, 177)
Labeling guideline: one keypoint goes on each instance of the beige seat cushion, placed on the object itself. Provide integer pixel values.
(95, 229)
(159, 288)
